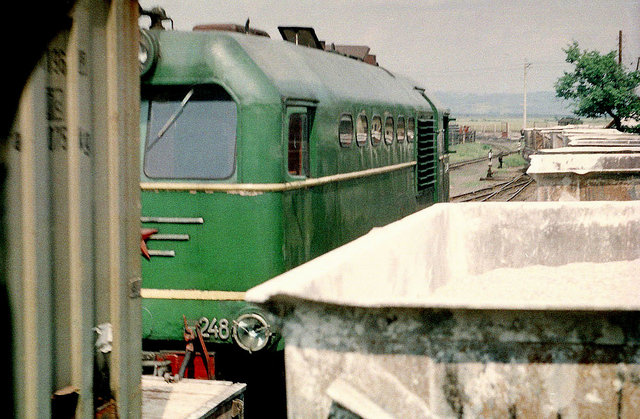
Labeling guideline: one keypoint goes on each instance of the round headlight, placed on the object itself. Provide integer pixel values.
(147, 52)
(251, 332)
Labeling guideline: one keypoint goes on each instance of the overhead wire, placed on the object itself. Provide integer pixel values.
(496, 68)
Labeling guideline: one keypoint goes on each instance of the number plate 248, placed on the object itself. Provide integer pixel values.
(218, 329)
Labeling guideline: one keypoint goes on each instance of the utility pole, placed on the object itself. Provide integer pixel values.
(524, 104)
(620, 48)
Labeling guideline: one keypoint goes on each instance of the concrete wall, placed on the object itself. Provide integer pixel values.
(461, 363)
(469, 310)
(593, 187)
(587, 173)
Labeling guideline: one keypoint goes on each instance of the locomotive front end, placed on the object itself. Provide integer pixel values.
(207, 236)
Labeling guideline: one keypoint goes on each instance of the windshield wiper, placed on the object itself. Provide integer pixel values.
(171, 120)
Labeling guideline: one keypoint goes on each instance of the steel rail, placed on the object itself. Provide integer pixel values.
(520, 190)
(486, 194)
(478, 160)
(489, 188)
(503, 188)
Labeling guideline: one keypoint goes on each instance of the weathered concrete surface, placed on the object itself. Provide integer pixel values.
(460, 363)
(587, 173)
(582, 160)
(591, 187)
(470, 310)
(562, 136)
(407, 262)
(620, 139)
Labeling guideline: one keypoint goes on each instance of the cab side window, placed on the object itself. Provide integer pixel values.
(298, 148)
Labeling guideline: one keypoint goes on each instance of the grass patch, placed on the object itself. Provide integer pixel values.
(509, 163)
(513, 160)
(468, 151)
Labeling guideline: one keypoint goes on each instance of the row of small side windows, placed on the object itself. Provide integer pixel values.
(399, 131)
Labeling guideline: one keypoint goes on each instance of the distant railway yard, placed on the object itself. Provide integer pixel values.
(469, 166)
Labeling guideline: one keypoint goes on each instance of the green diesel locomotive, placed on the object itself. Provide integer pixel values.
(259, 155)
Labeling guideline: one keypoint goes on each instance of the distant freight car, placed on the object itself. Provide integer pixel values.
(257, 156)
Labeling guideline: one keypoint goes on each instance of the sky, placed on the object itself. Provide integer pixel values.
(474, 46)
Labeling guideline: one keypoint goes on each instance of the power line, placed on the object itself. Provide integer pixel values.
(524, 109)
(496, 68)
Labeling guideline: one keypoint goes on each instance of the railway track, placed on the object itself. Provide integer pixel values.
(503, 191)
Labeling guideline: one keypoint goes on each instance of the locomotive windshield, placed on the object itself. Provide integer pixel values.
(190, 133)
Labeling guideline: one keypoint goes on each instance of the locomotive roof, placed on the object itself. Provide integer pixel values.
(294, 71)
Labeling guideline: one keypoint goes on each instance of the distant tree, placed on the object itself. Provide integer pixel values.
(599, 86)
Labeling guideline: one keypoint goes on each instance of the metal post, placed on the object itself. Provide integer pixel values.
(620, 48)
(524, 107)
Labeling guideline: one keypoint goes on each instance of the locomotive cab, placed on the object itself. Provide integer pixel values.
(210, 241)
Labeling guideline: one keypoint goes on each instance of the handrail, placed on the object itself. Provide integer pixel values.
(270, 187)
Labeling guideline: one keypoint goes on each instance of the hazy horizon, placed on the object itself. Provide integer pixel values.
(476, 46)
(541, 104)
